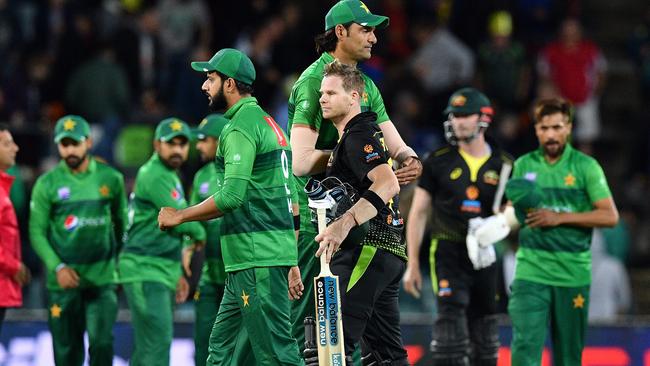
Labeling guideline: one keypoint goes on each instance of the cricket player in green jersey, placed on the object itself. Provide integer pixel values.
(349, 37)
(213, 278)
(560, 195)
(150, 263)
(258, 241)
(76, 226)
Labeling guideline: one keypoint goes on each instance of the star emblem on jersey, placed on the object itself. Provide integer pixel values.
(68, 124)
(569, 180)
(578, 302)
(176, 126)
(368, 148)
(104, 190)
(55, 311)
(365, 97)
(458, 101)
(244, 297)
(364, 7)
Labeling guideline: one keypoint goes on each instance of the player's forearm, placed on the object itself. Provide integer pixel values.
(397, 148)
(44, 251)
(600, 217)
(384, 185)
(309, 162)
(205, 210)
(414, 233)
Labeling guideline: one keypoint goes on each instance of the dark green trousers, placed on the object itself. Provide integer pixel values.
(71, 312)
(533, 307)
(152, 306)
(206, 306)
(254, 319)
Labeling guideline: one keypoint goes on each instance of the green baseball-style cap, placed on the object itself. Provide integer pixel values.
(468, 101)
(525, 195)
(71, 126)
(347, 11)
(230, 62)
(212, 125)
(172, 127)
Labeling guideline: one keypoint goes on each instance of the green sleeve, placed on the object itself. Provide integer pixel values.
(377, 103)
(595, 182)
(160, 193)
(307, 108)
(239, 154)
(119, 211)
(194, 195)
(39, 209)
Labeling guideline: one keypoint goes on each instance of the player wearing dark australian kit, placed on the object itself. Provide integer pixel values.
(258, 239)
(150, 263)
(349, 37)
(369, 269)
(459, 181)
(559, 195)
(76, 226)
(213, 276)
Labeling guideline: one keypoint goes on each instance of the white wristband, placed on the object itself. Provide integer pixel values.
(60, 267)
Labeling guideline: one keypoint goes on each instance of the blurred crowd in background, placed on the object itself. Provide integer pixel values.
(124, 66)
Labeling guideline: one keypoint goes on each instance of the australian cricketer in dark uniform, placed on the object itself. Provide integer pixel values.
(369, 274)
(460, 181)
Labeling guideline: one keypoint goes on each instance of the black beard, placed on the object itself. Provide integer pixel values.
(173, 163)
(73, 162)
(554, 153)
(218, 102)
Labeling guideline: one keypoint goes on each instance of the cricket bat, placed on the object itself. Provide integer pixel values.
(329, 324)
(506, 168)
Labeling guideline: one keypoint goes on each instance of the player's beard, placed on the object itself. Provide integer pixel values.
(73, 162)
(553, 148)
(174, 161)
(218, 101)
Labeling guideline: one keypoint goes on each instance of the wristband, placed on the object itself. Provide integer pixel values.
(296, 222)
(59, 267)
(374, 200)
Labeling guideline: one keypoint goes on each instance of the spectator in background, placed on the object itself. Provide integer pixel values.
(610, 287)
(13, 273)
(502, 70)
(442, 63)
(99, 90)
(576, 68)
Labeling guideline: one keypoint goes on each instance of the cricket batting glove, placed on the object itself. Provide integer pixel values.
(491, 230)
(480, 256)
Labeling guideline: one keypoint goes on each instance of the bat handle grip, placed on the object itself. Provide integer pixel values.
(322, 224)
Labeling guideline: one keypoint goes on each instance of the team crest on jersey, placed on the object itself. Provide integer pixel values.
(456, 173)
(365, 97)
(63, 193)
(531, 176)
(443, 288)
(471, 204)
(71, 222)
(368, 149)
(472, 192)
(204, 188)
(491, 177)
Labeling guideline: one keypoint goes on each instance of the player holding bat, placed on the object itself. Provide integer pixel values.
(369, 275)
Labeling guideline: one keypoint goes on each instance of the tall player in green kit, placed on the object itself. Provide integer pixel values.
(76, 226)
(349, 37)
(258, 241)
(559, 195)
(213, 278)
(150, 264)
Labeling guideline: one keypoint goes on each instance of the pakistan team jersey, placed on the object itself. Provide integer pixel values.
(259, 232)
(560, 256)
(206, 183)
(304, 109)
(150, 254)
(79, 219)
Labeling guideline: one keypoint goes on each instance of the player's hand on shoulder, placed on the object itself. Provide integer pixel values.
(168, 218)
(412, 280)
(543, 218)
(411, 169)
(296, 286)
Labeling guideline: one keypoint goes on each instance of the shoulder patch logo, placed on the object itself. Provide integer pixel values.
(458, 101)
(63, 193)
(456, 173)
(204, 188)
(491, 177)
(368, 149)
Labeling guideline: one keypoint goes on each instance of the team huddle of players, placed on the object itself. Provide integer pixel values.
(249, 213)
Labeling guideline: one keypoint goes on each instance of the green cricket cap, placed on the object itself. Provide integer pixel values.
(348, 11)
(230, 62)
(525, 195)
(71, 126)
(469, 101)
(212, 125)
(172, 127)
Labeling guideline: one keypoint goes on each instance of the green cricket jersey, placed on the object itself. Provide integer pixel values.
(304, 108)
(253, 148)
(150, 254)
(560, 256)
(206, 183)
(79, 219)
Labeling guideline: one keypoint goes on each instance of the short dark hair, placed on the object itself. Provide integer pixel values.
(242, 88)
(350, 76)
(326, 41)
(4, 127)
(547, 107)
